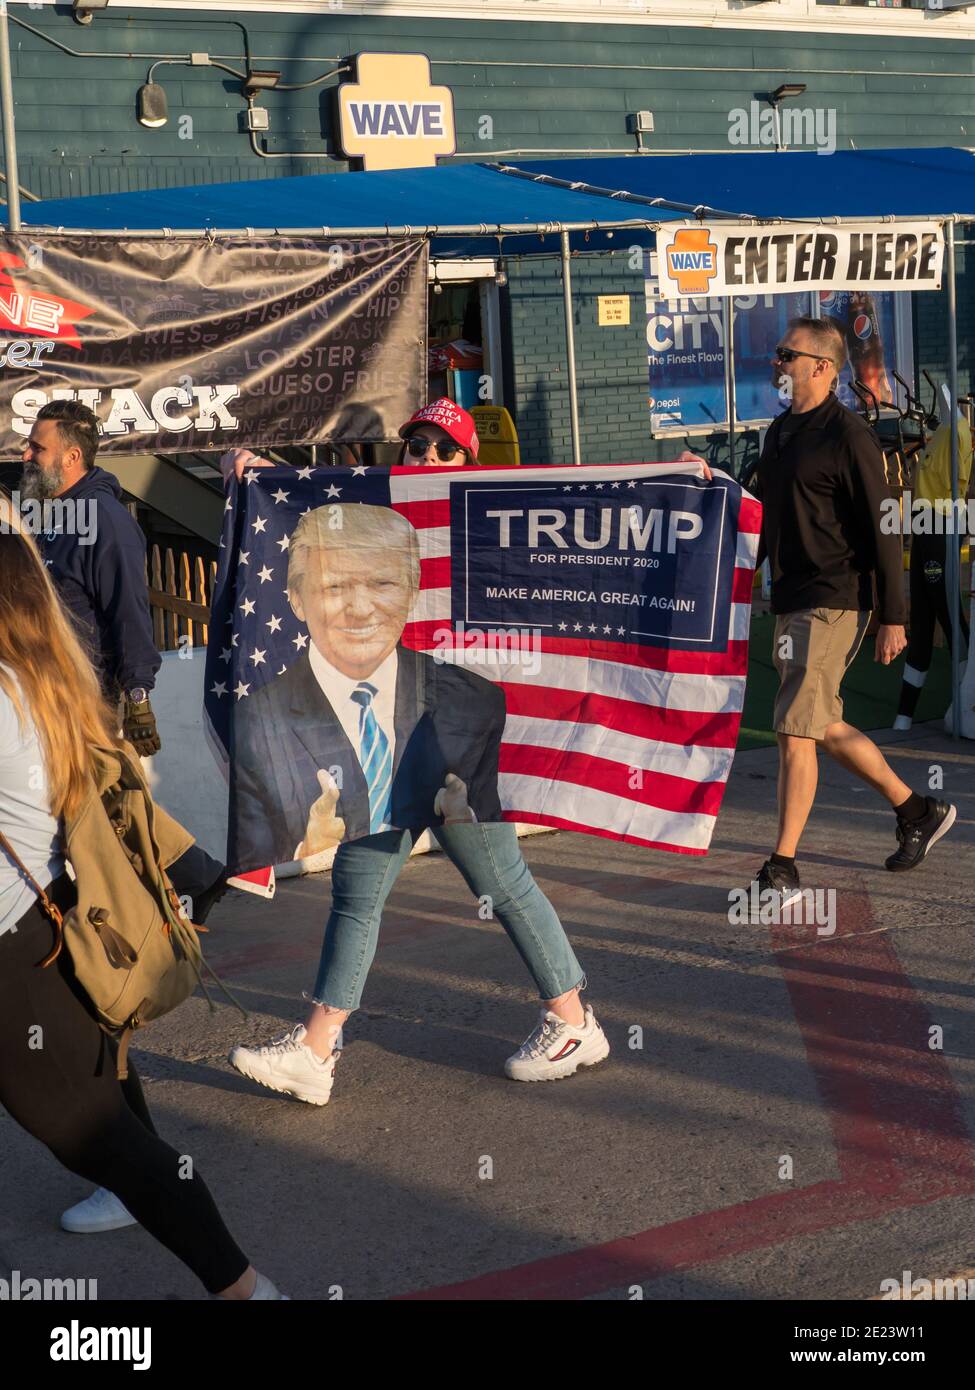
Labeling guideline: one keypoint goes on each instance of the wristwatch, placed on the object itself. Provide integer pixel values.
(138, 695)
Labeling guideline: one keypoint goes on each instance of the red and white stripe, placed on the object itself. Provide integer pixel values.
(616, 739)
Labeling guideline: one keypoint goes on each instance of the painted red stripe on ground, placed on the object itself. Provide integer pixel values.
(899, 1126)
(891, 1100)
(665, 792)
(682, 1245)
(706, 728)
(265, 956)
(272, 956)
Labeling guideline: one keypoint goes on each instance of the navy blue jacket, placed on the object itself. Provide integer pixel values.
(103, 584)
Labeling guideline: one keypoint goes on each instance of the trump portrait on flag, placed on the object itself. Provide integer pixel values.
(360, 734)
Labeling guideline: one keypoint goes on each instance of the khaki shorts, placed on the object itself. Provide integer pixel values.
(812, 649)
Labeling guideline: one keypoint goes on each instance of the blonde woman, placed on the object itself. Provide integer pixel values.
(65, 1093)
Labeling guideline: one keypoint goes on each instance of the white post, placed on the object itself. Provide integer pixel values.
(952, 568)
(728, 331)
(9, 137)
(570, 349)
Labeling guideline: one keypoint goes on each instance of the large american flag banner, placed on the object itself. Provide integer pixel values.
(610, 603)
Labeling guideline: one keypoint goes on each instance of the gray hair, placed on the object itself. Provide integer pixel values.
(352, 526)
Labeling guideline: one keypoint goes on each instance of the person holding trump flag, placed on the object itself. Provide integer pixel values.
(361, 745)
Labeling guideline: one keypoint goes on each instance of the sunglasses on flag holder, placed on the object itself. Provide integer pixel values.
(446, 448)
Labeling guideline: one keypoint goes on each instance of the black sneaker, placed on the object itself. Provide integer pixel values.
(916, 837)
(773, 878)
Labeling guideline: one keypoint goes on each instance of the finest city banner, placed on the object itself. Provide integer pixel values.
(685, 352)
(563, 646)
(184, 344)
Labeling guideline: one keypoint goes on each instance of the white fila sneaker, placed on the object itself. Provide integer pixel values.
(555, 1048)
(287, 1065)
(102, 1211)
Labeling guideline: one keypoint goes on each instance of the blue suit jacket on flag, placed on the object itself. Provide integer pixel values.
(447, 720)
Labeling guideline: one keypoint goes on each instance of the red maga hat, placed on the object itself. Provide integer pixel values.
(452, 418)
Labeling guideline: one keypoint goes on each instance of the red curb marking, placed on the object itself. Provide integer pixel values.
(263, 954)
(891, 1101)
(682, 1245)
(616, 884)
(272, 954)
(897, 1122)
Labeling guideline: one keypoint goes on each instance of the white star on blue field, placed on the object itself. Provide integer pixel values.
(255, 633)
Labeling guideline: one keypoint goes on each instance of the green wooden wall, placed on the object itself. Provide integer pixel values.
(78, 133)
(543, 86)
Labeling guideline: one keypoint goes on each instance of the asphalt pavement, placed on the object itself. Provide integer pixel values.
(788, 1110)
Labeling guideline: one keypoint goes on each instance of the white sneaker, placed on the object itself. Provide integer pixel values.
(263, 1288)
(102, 1211)
(555, 1048)
(286, 1064)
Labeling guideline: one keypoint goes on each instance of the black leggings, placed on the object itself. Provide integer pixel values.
(929, 606)
(61, 1086)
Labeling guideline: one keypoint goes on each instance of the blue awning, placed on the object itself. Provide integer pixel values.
(920, 183)
(452, 194)
(536, 195)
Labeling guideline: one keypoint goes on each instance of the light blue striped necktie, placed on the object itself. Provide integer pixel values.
(376, 757)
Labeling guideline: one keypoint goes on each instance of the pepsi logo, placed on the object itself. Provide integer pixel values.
(862, 327)
(827, 298)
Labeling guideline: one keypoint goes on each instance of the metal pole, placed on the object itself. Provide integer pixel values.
(953, 555)
(570, 349)
(9, 137)
(728, 331)
(490, 230)
(481, 230)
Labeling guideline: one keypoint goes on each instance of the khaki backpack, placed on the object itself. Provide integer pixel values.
(134, 950)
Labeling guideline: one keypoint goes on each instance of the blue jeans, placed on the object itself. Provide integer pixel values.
(492, 864)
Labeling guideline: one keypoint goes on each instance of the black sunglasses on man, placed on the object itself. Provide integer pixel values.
(784, 354)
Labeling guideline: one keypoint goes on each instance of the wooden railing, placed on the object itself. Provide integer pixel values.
(180, 595)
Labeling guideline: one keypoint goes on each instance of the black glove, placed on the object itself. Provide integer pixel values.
(139, 727)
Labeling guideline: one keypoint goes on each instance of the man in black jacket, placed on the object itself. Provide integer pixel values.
(96, 555)
(822, 485)
(361, 733)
